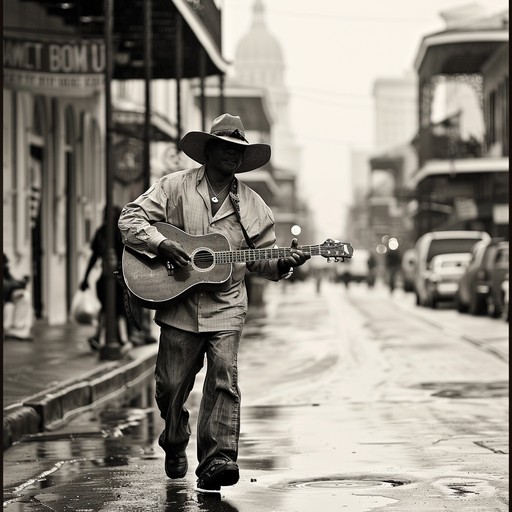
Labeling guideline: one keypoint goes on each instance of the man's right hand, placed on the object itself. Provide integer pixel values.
(174, 253)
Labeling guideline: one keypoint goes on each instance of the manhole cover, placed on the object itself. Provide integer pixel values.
(342, 483)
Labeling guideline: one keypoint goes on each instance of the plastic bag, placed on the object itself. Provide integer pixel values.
(85, 307)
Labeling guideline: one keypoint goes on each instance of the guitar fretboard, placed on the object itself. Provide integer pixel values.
(247, 255)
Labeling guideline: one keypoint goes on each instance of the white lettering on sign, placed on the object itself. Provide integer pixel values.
(22, 55)
(67, 58)
(98, 59)
(65, 84)
(82, 57)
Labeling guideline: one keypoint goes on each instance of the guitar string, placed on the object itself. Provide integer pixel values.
(247, 252)
(308, 249)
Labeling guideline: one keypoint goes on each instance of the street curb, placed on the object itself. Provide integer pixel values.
(19, 421)
(49, 408)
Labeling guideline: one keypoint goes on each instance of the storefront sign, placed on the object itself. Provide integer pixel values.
(72, 67)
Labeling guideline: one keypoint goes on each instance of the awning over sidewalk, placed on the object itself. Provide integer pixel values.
(196, 26)
(250, 103)
(128, 120)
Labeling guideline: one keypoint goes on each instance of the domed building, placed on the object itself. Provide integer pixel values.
(259, 62)
(258, 57)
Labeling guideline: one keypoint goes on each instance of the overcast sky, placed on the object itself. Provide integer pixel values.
(334, 50)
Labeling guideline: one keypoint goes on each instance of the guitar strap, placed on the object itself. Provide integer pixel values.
(132, 308)
(235, 200)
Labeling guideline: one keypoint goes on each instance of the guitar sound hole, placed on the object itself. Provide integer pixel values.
(203, 259)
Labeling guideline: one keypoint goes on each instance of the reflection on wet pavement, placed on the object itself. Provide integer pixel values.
(335, 416)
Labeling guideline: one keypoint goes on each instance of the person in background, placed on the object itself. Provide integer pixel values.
(393, 267)
(99, 252)
(198, 201)
(18, 312)
(372, 270)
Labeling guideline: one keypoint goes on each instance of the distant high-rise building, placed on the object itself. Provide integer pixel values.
(396, 110)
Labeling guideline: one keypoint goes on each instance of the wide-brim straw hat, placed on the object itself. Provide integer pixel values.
(229, 128)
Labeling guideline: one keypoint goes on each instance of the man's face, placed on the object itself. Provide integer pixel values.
(224, 157)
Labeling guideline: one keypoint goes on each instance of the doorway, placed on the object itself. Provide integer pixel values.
(35, 209)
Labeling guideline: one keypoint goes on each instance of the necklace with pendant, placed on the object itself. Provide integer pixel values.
(215, 197)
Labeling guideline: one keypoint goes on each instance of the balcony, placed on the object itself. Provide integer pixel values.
(435, 146)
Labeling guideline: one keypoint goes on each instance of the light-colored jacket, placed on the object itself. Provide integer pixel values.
(182, 199)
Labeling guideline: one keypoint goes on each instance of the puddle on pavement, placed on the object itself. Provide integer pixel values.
(343, 483)
(354, 492)
(460, 487)
(461, 390)
(110, 436)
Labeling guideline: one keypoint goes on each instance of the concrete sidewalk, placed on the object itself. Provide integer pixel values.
(56, 374)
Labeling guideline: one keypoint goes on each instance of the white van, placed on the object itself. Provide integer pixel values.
(435, 243)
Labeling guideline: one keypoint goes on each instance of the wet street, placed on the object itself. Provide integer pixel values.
(352, 399)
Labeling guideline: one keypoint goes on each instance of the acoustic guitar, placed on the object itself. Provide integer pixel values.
(157, 284)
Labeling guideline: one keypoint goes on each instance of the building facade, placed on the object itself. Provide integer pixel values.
(54, 126)
(463, 174)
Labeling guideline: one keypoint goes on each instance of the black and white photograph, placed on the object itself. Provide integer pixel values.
(255, 256)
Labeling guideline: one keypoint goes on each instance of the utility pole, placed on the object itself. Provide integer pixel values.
(148, 35)
(112, 348)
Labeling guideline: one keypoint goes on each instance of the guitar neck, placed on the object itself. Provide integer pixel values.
(246, 255)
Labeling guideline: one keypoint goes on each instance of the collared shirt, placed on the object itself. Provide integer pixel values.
(182, 199)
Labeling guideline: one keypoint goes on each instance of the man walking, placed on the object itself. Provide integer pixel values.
(206, 199)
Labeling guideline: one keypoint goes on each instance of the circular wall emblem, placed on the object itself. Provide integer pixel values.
(128, 161)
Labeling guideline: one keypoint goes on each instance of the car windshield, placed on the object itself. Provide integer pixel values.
(450, 246)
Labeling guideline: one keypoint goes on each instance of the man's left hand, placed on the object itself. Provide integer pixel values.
(296, 257)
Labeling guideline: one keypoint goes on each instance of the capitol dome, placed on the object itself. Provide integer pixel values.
(258, 55)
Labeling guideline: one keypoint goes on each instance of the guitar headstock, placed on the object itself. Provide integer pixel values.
(335, 249)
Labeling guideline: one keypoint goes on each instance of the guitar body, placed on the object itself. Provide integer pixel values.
(149, 280)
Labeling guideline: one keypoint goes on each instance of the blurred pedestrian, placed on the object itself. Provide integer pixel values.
(17, 309)
(206, 199)
(393, 267)
(372, 269)
(99, 253)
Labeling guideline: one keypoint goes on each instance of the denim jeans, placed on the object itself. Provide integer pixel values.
(180, 358)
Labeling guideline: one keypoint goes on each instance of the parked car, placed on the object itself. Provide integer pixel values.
(474, 285)
(504, 287)
(443, 277)
(440, 242)
(498, 273)
(408, 263)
